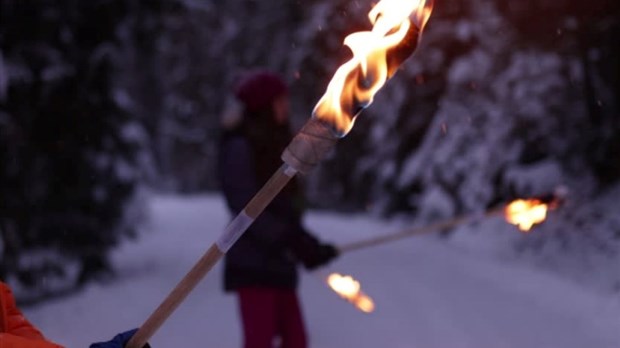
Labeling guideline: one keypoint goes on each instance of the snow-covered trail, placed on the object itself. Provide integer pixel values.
(428, 294)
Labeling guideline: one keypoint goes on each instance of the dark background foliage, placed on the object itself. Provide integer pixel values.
(99, 98)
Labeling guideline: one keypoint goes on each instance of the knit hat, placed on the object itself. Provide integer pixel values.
(257, 90)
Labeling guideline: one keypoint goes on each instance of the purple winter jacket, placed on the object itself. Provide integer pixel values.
(268, 252)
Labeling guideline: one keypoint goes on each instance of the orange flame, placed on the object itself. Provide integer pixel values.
(357, 81)
(525, 213)
(349, 289)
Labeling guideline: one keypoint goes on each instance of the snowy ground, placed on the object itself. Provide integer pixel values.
(428, 293)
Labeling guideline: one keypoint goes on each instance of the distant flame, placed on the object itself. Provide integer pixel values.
(526, 213)
(357, 81)
(349, 289)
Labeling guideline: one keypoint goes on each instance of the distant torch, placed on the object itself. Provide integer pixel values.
(526, 213)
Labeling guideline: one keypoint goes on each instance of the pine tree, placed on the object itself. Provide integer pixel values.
(67, 146)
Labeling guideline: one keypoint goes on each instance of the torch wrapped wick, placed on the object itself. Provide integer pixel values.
(309, 146)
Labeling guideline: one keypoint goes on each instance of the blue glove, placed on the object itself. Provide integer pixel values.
(119, 341)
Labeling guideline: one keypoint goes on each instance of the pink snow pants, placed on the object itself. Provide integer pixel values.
(268, 313)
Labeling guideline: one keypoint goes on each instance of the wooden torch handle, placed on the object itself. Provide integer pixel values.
(176, 296)
(233, 232)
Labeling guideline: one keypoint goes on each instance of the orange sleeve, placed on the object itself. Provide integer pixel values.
(18, 328)
(11, 341)
(16, 322)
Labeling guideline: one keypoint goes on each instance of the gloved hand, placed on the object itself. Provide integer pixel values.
(119, 341)
(322, 255)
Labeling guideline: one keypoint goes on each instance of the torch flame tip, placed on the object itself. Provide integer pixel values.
(525, 213)
(349, 289)
(377, 53)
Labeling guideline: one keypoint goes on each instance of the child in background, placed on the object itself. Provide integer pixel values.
(261, 267)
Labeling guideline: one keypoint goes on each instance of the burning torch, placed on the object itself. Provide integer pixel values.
(523, 213)
(377, 55)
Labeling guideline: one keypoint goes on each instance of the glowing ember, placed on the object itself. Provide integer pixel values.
(526, 213)
(376, 56)
(349, 289)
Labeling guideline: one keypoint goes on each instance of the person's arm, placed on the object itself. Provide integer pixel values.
(19, 331)
(310, 251)
(279, 226)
